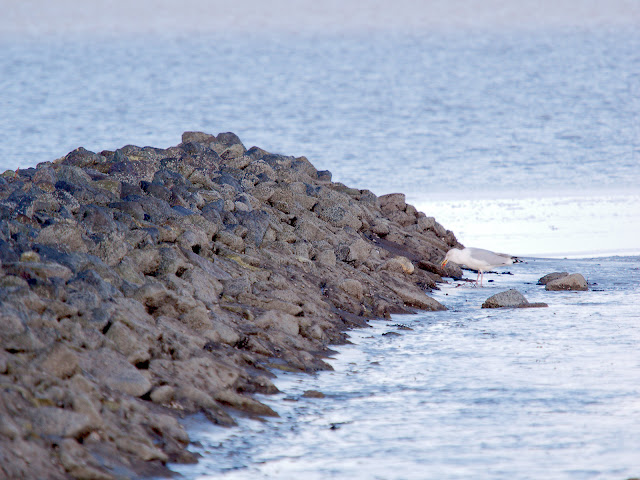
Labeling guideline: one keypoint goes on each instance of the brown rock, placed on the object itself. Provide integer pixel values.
(574, 281)
(393, 202)
(551, 276)
(59, 361)
(353, 288)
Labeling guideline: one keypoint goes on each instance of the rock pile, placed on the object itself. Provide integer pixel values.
(143, 283)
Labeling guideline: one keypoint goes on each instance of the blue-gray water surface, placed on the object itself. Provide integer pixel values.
(547, 110)
(467, 393)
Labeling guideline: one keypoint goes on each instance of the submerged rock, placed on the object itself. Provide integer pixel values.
(142, 279)
(510, 299)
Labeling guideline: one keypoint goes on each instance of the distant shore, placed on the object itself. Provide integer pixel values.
(141, 284)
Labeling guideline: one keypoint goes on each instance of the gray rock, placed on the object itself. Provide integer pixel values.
(551, 276)
(59, 361)
(114, 371)
(352, 288)
(574, 281)
(59, 422)
(509, 299)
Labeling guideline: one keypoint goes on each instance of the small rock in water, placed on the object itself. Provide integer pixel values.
(510, 299)
(551, 276)
(313, 394)
(575, 281)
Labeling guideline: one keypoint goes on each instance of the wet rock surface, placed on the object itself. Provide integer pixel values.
(510, 299)
(141, 284)
(551, 276)
(575, 281)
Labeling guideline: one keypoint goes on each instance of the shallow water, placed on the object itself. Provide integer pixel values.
(467, 393)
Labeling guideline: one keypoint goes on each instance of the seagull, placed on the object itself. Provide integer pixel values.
(478, 259)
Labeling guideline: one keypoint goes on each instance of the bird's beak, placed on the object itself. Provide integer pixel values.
(444, 262)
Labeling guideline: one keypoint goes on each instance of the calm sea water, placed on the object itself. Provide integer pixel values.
(465, 393)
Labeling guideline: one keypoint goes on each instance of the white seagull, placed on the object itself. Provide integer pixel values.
(478, 259)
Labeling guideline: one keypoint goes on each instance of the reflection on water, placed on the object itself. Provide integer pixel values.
(466, 393)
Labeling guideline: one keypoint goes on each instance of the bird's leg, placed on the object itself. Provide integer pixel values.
(478, 278)
(481, 277)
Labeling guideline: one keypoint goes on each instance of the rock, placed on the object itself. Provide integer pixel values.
(575, 281)
(413, 296)
(58, 422)
(509, 299)
(113, 370)
(163, 394)
(393, 202)
(59, 361)
(64, 235)
(399, 264)
(145, 277)
(274, 319)
(359, 251)
(551, 276)
(313, 394)
(352, 288)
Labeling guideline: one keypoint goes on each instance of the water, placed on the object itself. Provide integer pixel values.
(466, 393)
(515, 125)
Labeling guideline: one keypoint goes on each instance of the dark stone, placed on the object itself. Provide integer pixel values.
(256, 153)
(27, 173)
(169, 179)
(198, 137)
(182, 211)
(324, 175)
(257, 222)
(213, 211)
(551, 276)
(91, 278)
(82, 157)
(130, 189)
(97, 219)
(227, 139)
(74, 261)
(7, 254)
(130, 206)
(228, 179)
(156, 189)
(510, 299)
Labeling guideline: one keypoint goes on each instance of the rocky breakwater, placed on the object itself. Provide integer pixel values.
(141, 284)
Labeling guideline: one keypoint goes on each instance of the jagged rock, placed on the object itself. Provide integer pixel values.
(575, 281)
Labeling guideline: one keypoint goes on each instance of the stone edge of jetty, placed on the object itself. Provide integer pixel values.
(141, 285)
